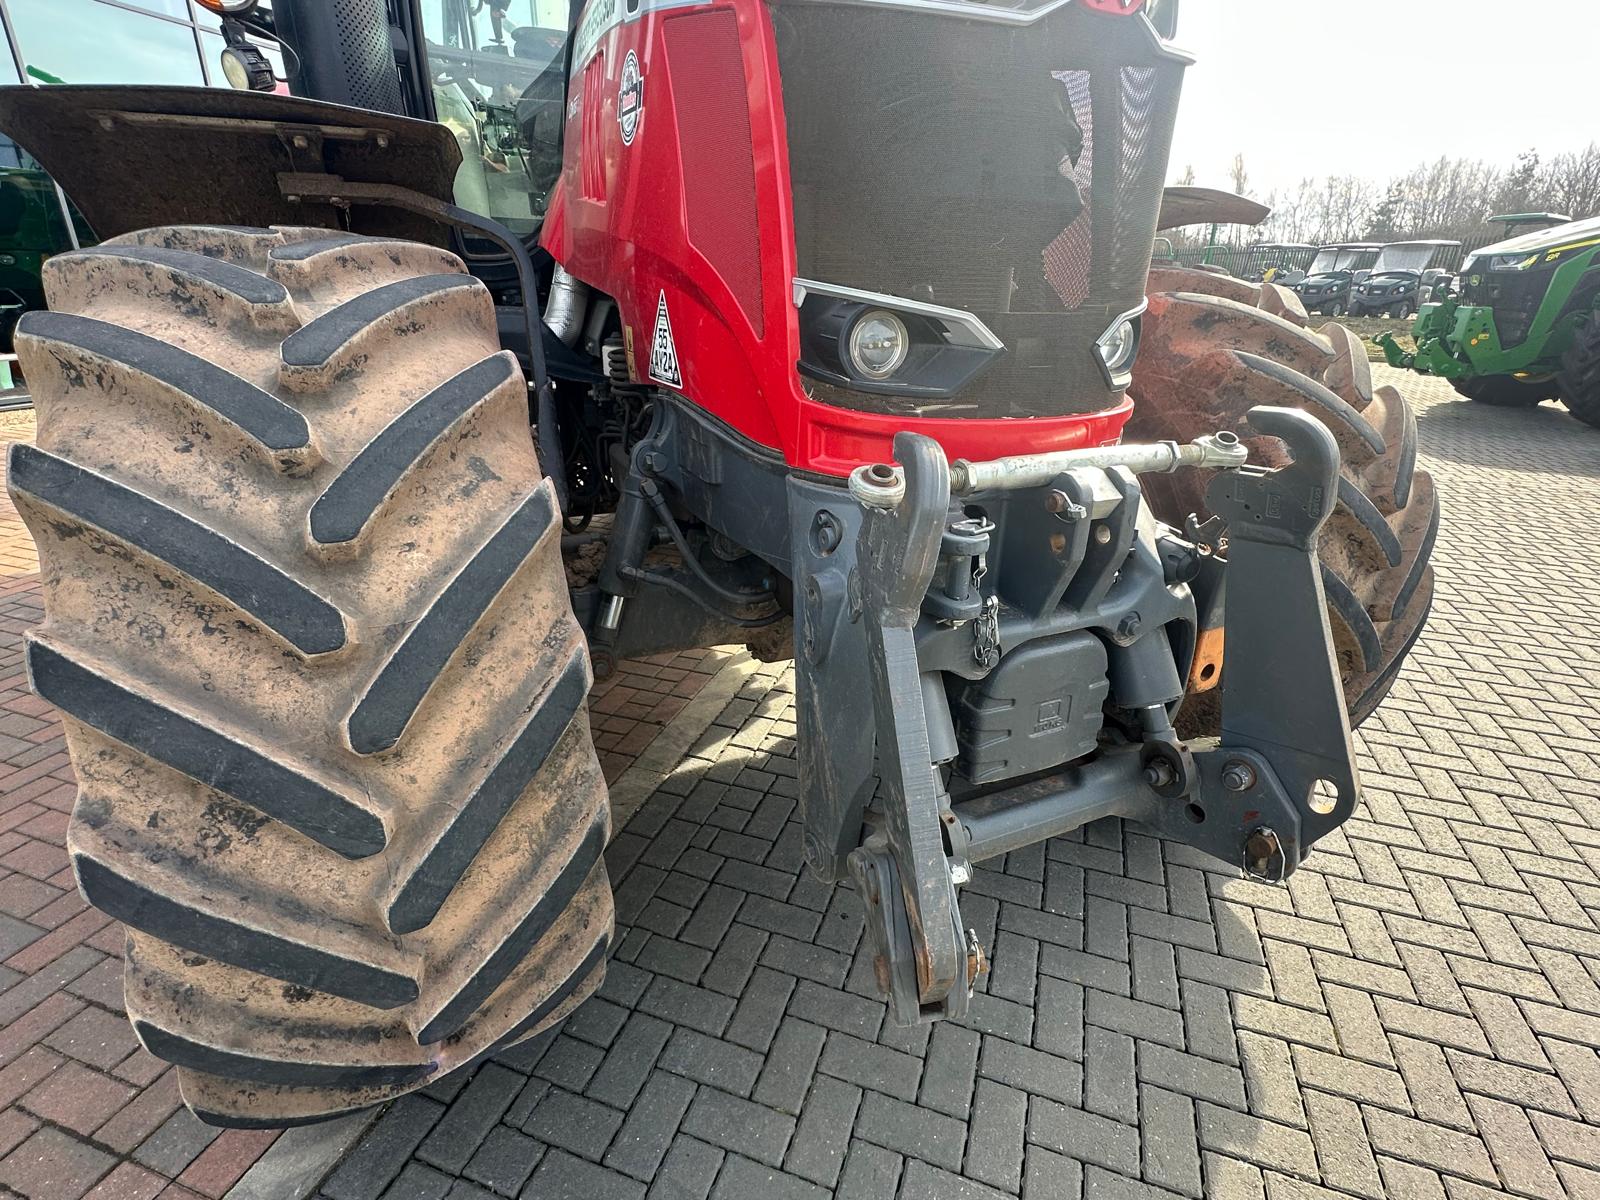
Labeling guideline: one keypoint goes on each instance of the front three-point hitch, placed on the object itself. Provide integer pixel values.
(1021, 631)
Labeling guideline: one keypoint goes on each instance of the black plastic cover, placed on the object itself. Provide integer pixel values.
(1039, 708)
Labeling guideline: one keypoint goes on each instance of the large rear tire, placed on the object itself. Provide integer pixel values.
(1579, 379)
(1212, 349)
(324, 694)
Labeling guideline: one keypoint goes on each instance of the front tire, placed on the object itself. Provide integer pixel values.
(306, 620)
(1212, 350)
(1505, 391)
(1579, 378)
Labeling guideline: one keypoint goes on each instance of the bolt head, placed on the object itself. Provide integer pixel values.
(960, 874)
(1102, 534)
(826, 533)
(1238, 776)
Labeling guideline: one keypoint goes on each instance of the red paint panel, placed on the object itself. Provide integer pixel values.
(719, 175)
(676, 221)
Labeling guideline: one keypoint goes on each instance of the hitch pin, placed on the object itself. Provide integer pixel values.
(1217, 450)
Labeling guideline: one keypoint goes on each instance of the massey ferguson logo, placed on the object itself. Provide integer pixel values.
(630, 98)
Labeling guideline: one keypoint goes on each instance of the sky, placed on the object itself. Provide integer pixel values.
(1372, 87)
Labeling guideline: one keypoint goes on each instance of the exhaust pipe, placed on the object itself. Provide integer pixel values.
(567, 304)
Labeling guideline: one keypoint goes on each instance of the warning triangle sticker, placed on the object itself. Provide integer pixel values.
(663, 353)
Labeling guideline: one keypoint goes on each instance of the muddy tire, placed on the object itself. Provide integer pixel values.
(323, 690)
(1579, 379)
(1212, 349)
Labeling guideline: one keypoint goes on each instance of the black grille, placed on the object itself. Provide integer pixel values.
(1515, 297)
(1014, 172)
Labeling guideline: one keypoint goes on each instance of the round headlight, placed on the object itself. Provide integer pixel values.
(879, 342)
(1118, 346)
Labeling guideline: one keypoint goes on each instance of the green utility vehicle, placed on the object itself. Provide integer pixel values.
(1333, 272)
(1523, 325)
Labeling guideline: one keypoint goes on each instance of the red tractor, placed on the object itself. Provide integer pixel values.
(829, 321)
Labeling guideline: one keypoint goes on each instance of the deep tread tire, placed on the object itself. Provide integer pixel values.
(306, 620)
(1579, 378)
(1505, 391)
(1212, 349)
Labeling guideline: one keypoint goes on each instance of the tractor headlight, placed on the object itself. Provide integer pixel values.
(878, 344)
(889, 345)
(1118, 346)
(1512, 262)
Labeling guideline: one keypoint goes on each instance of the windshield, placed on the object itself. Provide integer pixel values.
(1405, 257)
(499, 84)
(1395, 277)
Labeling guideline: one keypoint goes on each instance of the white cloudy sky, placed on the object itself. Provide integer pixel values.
(1317, 87)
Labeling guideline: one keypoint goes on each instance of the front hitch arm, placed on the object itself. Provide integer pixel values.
(1285, 761)
(903, 871)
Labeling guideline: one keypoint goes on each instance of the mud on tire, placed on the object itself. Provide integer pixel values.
(323, 690)
(1214, 347)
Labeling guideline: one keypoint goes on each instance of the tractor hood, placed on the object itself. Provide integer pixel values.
(133, 157)
(1008, 174)
(1558, 237)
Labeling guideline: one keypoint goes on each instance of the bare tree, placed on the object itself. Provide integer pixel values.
(1572, 181)
(1445, 198)
(1241, 177)
(1519, 189)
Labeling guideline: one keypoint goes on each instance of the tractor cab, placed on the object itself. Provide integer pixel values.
(498, 82)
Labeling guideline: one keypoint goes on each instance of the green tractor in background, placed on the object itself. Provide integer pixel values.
(1523, 325)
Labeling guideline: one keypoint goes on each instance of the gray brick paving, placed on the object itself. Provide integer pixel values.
(1416, 1016)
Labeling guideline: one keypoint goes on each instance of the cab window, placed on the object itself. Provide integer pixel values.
(498, 70)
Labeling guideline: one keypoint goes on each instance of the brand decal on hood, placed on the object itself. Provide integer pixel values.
(630, 98)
